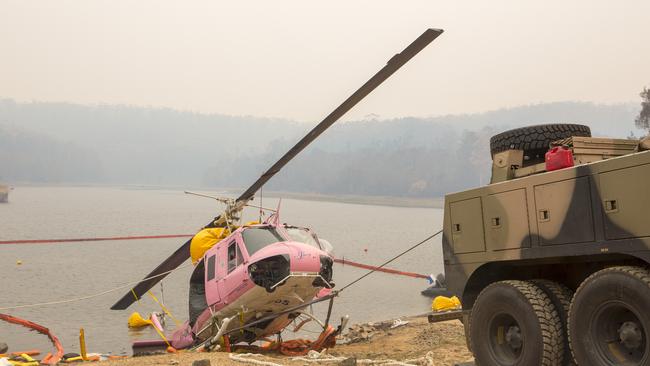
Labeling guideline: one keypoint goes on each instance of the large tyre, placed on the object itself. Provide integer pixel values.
(535, 140)
(514, 323)
(560, 296)
(467, 330)
(609, 319)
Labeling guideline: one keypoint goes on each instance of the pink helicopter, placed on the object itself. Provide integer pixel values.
(254, 280)
(257, 272)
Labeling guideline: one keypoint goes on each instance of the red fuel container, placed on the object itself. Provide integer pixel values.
(558, 157)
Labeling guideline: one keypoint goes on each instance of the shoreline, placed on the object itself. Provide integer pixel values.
(438, 344)
(391, 201)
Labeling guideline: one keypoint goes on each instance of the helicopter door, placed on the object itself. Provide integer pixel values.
(236, 274)
(211, 278)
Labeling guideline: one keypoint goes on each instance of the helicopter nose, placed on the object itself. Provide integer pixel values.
(304, 258)
(285, 258)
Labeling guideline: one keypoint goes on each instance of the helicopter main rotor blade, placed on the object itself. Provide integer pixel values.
(171, 263)
(394, 64)
(183, 253)
(150, 280)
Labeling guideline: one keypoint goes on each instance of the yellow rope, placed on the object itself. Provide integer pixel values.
(164, 308)
(134, 295)
(161, 335)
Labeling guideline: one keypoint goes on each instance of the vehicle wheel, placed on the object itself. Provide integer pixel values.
(515, 323)
(535, 140)
(609, 319)
(560, 296)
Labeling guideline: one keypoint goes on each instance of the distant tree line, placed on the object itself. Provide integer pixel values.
(422, 171)
(33, 157)
(418, 157)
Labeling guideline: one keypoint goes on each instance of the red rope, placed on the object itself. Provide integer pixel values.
(382, 269)
(337, 260)
(50, 241)
(41, 329)
(301, 347)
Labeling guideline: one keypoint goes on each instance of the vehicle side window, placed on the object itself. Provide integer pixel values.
(232, 256)
(240, 258)
(211, 267)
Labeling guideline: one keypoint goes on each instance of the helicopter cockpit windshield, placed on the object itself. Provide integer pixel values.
(256, 238)
(304, 235)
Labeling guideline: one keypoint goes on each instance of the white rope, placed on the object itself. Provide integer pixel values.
(87, 297)
(391, 362)
(247, 358)
(329, 359)
(323, 357)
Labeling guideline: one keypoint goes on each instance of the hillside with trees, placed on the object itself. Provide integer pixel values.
(419, 157)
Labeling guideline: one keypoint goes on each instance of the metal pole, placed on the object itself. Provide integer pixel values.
(329, 313)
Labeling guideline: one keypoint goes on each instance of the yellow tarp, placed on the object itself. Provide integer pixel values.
(441, 303)
(137, 321)
(206, 239)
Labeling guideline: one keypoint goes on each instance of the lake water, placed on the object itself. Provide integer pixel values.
(51, 272)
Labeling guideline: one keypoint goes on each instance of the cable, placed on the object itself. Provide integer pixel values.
(125, 285)
(173, 270)
(50, 241)
(390, 260)
(385, 270)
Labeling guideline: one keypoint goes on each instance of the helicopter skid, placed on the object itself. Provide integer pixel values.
(302, 274)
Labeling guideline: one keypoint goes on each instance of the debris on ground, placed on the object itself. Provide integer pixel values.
(365, 331)
(398, 323)
(203, 362)
(408, 341)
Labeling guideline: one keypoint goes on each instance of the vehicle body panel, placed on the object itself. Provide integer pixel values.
(557, 217)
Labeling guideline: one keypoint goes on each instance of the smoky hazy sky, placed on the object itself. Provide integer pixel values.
(299, 59)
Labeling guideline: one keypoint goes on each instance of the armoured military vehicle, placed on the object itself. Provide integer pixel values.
(552, 266)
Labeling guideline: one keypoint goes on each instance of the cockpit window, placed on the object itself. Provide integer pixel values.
(234, 256)
(302, 236)
(257, 238)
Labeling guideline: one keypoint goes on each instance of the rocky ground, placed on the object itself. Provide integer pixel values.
(417, 341)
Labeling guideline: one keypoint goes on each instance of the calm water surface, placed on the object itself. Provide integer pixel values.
(51, 272)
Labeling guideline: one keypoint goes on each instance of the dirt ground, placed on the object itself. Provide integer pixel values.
(445, 341)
